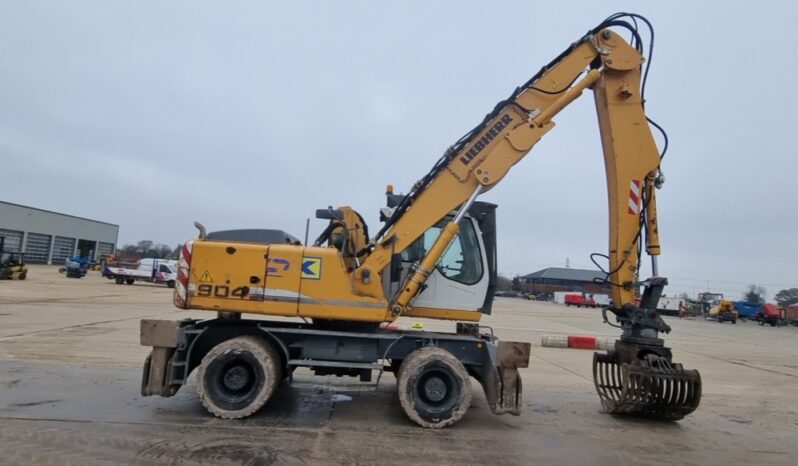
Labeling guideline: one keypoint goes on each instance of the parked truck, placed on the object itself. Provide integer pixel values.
(580, 300)
(148, 270)
(770, 314)
(669, 306)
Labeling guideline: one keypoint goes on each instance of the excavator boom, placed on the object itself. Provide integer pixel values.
(639, 376)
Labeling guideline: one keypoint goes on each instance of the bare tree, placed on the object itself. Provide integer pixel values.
(787, 297)
(755, 294)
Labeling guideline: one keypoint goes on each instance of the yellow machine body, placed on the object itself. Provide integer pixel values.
(724, 306)
(435, 257)
(277, 279)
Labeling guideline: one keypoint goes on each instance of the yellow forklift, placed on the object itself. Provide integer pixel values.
(12, 264)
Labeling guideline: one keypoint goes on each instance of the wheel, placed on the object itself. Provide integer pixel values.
(119, 280)
(170, 284)
(434, 388)
(734, 321)
(238, 376)
(23, 275)
(130, 281)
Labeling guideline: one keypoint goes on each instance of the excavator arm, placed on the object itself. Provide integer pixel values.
(638, 376)
(601, 61)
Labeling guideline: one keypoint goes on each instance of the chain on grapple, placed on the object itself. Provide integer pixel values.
(651, 387)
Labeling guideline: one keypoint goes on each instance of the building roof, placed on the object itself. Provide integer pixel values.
(58, 213)
(557, 273)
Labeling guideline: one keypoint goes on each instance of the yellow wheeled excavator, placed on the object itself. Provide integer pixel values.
(434, 257)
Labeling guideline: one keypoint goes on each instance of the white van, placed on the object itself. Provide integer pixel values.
(149, 270)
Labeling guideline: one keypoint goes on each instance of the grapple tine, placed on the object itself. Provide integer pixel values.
(650, 387)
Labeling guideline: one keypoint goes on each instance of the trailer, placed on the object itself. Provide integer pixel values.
(791, 315)
(147, 270)
(669, 306)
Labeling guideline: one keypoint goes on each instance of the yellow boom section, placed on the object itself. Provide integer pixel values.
(611, 67)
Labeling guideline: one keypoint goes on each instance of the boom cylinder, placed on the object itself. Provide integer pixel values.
(566, 98)
(414, 283)
(652, 226)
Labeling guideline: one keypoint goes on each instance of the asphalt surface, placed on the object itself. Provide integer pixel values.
(70, 377)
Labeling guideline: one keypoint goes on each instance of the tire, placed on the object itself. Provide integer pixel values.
(170, 284)
(130, 281)
(434, 388)
(120, 280)
(238, 376)
(23, 275)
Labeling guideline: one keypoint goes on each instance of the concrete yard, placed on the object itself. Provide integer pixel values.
(70, 367)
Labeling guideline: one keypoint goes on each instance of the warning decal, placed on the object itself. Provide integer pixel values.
(311, 268)
(206, 278)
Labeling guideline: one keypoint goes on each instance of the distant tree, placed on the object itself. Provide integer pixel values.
(128, 250)
(146, 248)
(503, 283)
(755, 295)
(162, 251)
(787, 297)
(516, 283)
(145, 245)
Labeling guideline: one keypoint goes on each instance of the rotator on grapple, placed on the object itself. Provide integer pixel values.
(639, 377)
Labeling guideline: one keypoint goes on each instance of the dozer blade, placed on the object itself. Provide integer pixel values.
(652, 387)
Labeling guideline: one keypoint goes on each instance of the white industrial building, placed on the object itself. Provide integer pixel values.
(50, 237)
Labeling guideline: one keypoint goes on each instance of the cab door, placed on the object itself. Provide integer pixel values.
(461, 277)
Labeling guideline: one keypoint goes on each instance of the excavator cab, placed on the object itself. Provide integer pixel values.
(464, 278)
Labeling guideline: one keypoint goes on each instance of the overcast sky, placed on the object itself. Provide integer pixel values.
(242, 114)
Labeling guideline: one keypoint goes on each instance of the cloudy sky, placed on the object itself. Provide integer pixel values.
(244, 114)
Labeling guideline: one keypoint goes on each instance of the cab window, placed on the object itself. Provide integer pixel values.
(462, 261)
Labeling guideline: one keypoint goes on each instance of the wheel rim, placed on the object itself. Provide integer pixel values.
(437, 390)
(234, 383)
(237, 379)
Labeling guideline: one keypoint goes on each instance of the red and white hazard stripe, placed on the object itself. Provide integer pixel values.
(183, 269)
(634, 197)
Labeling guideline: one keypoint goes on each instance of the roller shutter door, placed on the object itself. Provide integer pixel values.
(37, 248)
(104, 248)
(63, 248)
(13, 240)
